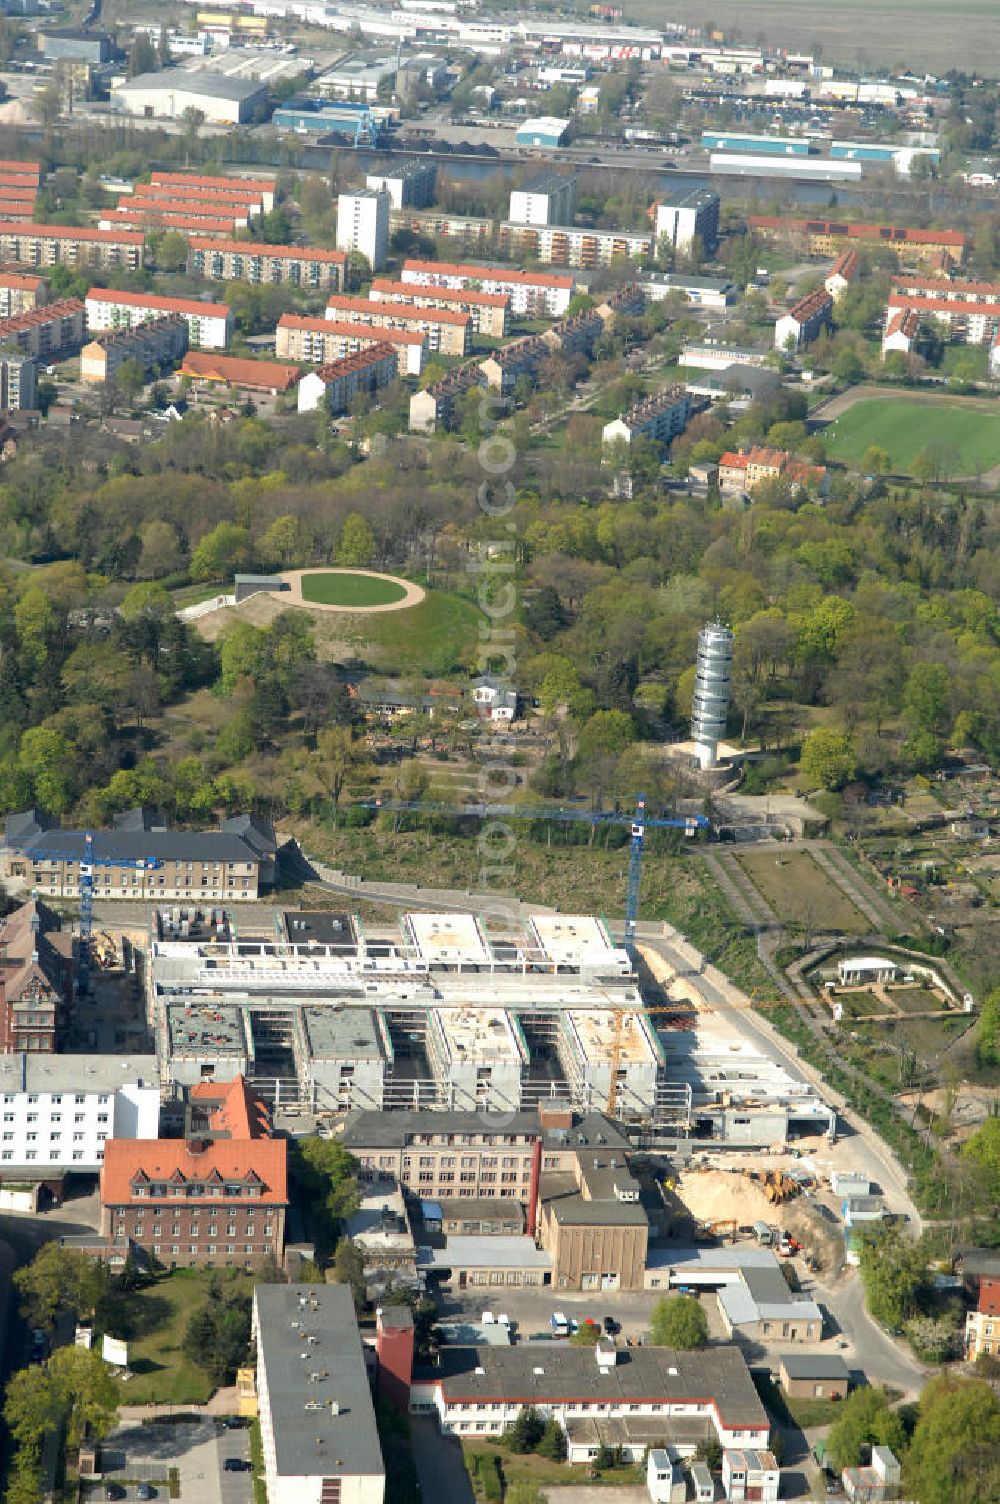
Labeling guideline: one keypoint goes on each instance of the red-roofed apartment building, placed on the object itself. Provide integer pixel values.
(215, 1198)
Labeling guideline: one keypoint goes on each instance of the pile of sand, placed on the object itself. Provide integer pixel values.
(724, 1195)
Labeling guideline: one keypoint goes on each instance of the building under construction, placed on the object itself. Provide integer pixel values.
(441, 1015)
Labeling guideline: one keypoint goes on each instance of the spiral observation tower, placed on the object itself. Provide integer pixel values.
(712, 685)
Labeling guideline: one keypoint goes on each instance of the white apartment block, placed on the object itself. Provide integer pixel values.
(550, 200)
(535, 294)
(58, 1111)
(210, 325)
(363, 224)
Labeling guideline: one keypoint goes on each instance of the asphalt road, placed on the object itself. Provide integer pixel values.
(869, 1348)
(440, 1466)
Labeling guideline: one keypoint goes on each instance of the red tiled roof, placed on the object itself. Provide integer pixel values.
(176, 1160)
(258, 248)
(932, 287)
(48, 313)
(156, 300)
(13, 168)
(446, 294)
(761, 454)
(21, 280)
(350, 331)
(71, 232)
(238, 1112)
(146, 191)
(888, 233)
(812, 303)
(905, 321)
(488, 273)
(177, 222)
(369, 306)
(846, 266)
(733, 461)
(266, 375)
(946, 305)
(194, 208)
(266, 185)
(356, 362)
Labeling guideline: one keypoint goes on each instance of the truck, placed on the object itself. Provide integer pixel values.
(559, 1324)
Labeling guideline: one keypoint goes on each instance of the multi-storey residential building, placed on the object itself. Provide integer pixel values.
(196, 183)
(901, 331)
(472, 232)
(334, 386)
(828, 237)
(153, 346)
(60, 245)
(577, 335)
(982, 1325)
(448, 330)
(488, 311)
(14, 171)
(409, 186)
(317, 1420)
(801, 324)
(741, 472)
(531, 293)
(19, 291)
(217, 1198)
(17, 206)
(660, 417)
(177, 220)
(17, 380)
(251, 261)
(573, 245)
(321, 342)
(968, 311)
(54, 329)
(505, 367)
(845, 270)
(248, 195)
(546, 200)
(210, 325)
(137, 860)
(435, 407)
(363, 224)
(626, 302)
(689, 218)
(59, 1112)
(37, 968)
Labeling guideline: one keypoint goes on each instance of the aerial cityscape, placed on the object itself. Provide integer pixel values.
(499, 752)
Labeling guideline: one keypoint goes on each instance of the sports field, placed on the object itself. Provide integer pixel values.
(903, 428)
(339, 589)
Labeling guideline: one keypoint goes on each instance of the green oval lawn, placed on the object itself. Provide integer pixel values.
(328, 588)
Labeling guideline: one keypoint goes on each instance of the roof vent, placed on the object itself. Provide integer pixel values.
(538, 1372)
(482, 1370)
(334, 1407)
(673, 1372)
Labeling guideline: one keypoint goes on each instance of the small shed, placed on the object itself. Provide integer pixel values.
(814, 1376)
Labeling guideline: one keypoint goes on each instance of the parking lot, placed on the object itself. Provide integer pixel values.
(145, 1454)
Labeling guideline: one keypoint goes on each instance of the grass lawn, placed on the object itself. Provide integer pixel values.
(916, 1000)
(903, 428)
(153, 1321)
(434, 637)
(800, 892)
(859, 1004)
(333, 588)
(541, 1472)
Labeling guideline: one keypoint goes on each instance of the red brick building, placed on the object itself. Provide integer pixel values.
(215, 1198)
(36, 979)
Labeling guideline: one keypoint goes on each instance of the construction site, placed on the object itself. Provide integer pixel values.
(444, 1013)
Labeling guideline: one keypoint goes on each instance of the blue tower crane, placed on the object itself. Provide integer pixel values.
(638, 824)
(88, 861)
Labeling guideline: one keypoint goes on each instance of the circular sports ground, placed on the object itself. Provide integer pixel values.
(357, 590)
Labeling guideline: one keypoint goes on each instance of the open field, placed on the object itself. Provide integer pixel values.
(334, 588)
(800, 892)
(962, 34)
(903, 428)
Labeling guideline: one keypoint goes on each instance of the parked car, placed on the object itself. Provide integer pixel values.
(39, 1345)
(145, 1491)
(611, 1326)
(236, 1422)
(237, 1465)
(114, 1491)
